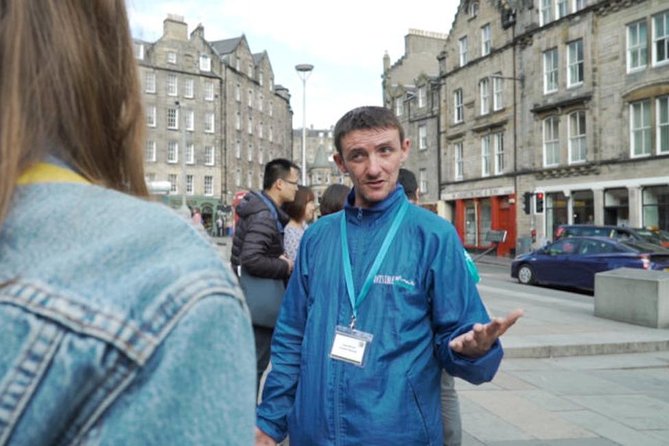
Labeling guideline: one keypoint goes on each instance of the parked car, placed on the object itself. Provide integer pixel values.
(617, 232)
(663, 235)
(574, 261)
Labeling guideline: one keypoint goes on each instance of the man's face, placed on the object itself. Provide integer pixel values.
(289, 186)
(372, 158)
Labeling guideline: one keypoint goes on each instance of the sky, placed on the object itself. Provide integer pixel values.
(344, 40)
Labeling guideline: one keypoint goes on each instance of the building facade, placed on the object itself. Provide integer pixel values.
(552, 112)
(214, 116)
(411, 89)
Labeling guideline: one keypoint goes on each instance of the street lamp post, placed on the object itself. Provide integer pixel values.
(304, 70)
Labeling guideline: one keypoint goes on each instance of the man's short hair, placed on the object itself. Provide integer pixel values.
(364, 118)
(408, 181)
(278, 168)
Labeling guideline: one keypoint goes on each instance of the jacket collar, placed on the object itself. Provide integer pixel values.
(377, 210)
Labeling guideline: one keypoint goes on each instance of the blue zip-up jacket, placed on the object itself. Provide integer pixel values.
(422, 296)
(121, 325)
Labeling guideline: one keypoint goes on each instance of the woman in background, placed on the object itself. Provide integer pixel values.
(120, 324)
(301, 213)
(333, 198)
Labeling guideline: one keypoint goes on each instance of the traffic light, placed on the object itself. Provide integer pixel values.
(527, 197)
(539, 203)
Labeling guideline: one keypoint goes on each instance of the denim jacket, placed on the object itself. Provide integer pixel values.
(120, 325)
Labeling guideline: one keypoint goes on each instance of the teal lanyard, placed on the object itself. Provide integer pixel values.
(348, 273)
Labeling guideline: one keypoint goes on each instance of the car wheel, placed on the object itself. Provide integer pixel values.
(526, 275)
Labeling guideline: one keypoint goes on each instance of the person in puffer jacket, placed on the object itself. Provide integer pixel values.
(258, 251)
(380, 302)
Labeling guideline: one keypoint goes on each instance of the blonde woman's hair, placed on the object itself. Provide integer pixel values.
(69, 86)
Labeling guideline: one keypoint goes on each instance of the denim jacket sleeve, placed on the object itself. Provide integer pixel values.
(77, 374)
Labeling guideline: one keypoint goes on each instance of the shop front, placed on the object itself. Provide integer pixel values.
(479, 212)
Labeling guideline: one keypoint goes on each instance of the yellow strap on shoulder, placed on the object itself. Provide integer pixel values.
(50, 173)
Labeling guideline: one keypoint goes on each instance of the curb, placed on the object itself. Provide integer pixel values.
(554, 351)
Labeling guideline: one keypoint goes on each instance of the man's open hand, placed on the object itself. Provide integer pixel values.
(477, 341)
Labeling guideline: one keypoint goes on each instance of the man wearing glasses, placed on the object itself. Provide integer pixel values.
(258, 256)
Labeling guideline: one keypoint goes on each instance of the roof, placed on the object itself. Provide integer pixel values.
(227, 46)
(321, 159)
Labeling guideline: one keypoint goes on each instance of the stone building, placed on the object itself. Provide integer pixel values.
(214, 115)
(321, 168)
(411, 89)
(557, 106)
(478, 138)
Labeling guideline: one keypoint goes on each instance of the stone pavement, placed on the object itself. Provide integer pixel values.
(568, 378)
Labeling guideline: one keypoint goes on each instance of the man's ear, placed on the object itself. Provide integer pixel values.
(339, 161)
(406, 148)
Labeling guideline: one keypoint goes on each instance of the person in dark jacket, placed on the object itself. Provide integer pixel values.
(257, 246)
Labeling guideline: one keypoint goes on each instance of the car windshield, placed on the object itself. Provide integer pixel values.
(648, 236)
(644, 247)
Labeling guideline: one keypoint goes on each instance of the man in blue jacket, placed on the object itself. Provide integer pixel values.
(380, 301)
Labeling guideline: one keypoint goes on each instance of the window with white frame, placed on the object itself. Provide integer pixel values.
(250, 153)
(209, 119)
(485, 156)
(209, 158)
(484, 94)
(250, 98)
(190, 153)
(250, 125)
(662, 111)
(172, 119)
(458, 106)
(640, 128)
(249, 72)
(172, 152)
(399, 106)
(271, 134)
(463, 48)
(261, 99)
(149, 177)
(238, 93)
(577, 5)
(421, 96)
(172, 85)
(208, 185)
(238, 177)
(498, 140)
(545, 12)
(271, 108)
(150, 152)
(459, 161)
(151, 116)
(551, 141)
(661, 38)
(189, 88)
(497, 92)
(422, 181)
(171, 57)
(189, 184)
(205, 62)
(150, 81)
(208, 91)
(422, 137)
(237, 62)
(260, 130)
(249, 179)
(561, 8)
(172, 178)
(238, 121)
(575, 63)
(261, 154)
(261, 77)
(637, 46)
(551, 70)
(190, 120)
(238, 149)
(473, 8)
(578, 149)
(486, 40)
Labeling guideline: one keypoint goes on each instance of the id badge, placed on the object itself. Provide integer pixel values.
(350, 345)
